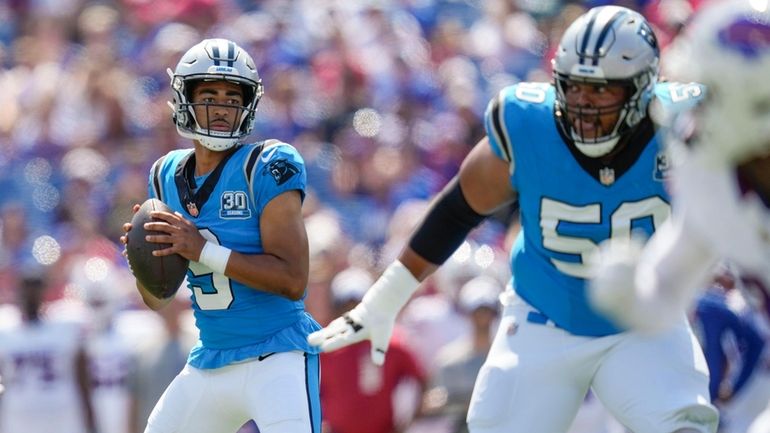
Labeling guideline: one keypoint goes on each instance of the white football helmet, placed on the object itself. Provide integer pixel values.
(607, 45)
(214, 59)
(727, 48)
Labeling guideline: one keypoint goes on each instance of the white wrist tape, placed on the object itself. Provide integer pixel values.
(392, 290)
(215, 257)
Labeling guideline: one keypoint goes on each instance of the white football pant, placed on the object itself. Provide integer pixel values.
(537, 375)
(278, 392)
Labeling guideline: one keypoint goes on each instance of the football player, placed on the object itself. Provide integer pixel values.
(110, 356)
(237, 218)
(722, 186)
(44, 368)
(584, 160)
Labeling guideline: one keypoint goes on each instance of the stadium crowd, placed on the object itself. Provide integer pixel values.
(382, 98)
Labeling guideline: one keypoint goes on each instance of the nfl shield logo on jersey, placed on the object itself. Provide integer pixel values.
(607, 176)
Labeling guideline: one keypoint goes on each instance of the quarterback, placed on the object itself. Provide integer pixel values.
(237, 218)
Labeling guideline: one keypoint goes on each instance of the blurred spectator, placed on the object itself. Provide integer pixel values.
(167, 339)
(732, 345)
(354, 386)
(44, 368)
(433, 319)
(749, 301)
(459, 362)
(753, 405)
(111, 356)
(15, 248)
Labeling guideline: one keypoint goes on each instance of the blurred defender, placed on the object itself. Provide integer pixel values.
(722, 187)
(238, 220)
(584, 160)
(45, 371)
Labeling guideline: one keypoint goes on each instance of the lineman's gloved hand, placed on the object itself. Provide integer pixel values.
(374, 318)
(614, 287)
(356, 325)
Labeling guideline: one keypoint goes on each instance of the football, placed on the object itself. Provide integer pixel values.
(161, 276)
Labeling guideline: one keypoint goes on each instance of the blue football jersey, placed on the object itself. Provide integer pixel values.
(236, 322)
(569, 203)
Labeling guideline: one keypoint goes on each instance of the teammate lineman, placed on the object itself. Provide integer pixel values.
(584, 160)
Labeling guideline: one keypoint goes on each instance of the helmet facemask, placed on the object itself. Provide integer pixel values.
(609, 45)
(629, 112)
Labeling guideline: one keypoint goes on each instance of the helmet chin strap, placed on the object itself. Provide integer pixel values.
(216, 144)
(595, 150)
(213, 143)
(598, 149)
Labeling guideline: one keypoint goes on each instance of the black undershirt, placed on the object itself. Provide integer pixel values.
(190, 195)
(631, 147)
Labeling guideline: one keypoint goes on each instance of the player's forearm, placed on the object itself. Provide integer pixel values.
(416, 264)
(673, 267)
(285, 277)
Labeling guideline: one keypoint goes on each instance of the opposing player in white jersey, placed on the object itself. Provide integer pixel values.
(111, 358)
(721, 188)
(583, 159)
(43, 365)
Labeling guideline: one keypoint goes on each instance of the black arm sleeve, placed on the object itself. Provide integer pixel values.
(444, 229)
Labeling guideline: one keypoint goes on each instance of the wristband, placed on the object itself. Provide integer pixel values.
(392, 290)
(215, 257)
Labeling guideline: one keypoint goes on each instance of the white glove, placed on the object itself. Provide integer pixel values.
(613, 289)
(373, 318)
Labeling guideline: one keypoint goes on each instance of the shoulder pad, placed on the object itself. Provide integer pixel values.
(679, 94)
(155, 177)
(510, 105)
(672, 98)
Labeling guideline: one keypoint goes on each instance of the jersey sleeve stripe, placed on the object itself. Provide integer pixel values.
(156, 181)
(251, 161)
(248, 168)
(497, 115)
(251, 164)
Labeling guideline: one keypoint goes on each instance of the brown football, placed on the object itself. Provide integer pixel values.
(161, 276)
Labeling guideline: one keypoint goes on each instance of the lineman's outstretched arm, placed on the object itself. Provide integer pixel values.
(481, 187)
(648, 287)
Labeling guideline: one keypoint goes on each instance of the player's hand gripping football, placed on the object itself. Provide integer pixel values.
(127, 228)
(182, 235)
(373, 318)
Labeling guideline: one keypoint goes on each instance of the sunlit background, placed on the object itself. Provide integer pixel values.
(383, 99)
